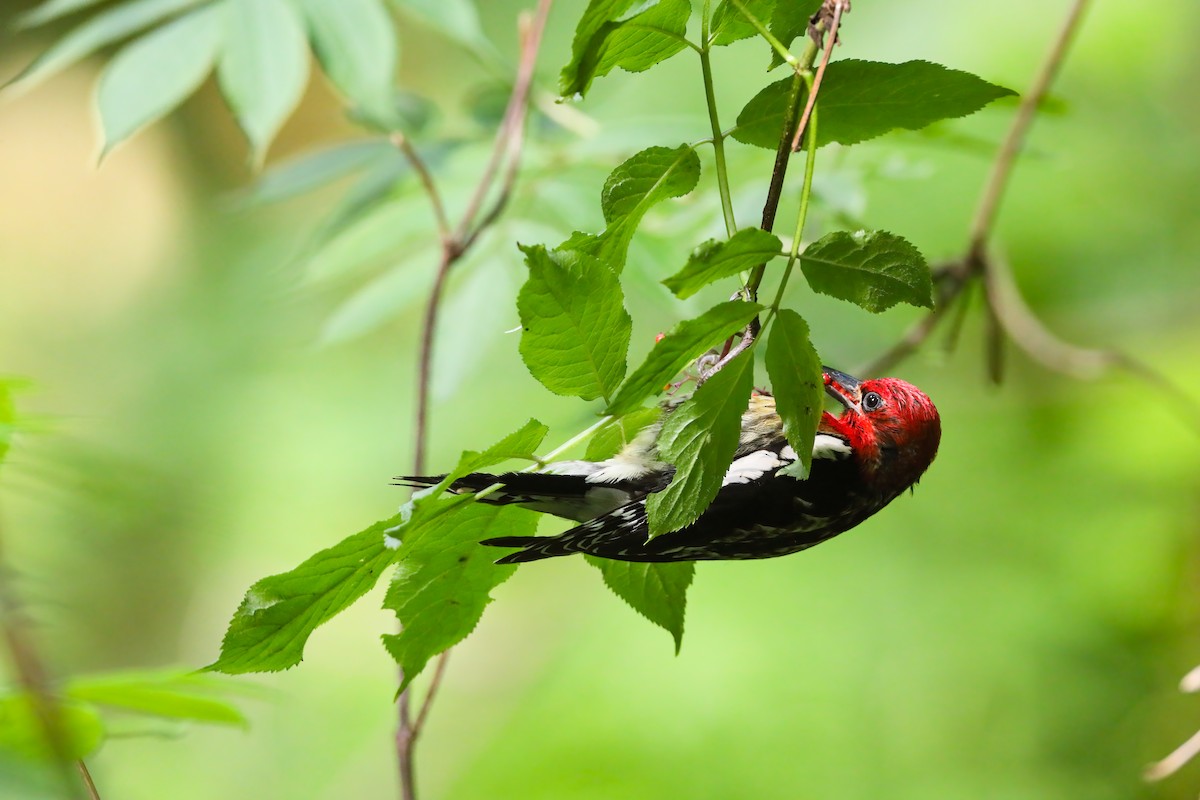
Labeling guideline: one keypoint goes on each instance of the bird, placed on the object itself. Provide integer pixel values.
(884, 440)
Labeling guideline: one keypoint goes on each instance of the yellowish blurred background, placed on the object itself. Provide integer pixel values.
(1016, 629)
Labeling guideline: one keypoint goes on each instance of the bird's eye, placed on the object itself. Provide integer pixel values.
(871, 401)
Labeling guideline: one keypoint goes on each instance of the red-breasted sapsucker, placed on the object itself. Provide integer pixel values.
(883, 441)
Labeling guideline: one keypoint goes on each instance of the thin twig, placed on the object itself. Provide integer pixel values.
(839, 7)
(90, 785)
(989, 201)
(31, 674)
(507, 148)
(975, 263)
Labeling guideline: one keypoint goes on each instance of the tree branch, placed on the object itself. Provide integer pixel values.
(506, 150)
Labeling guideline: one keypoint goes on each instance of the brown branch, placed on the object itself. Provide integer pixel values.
(974, 264)
(839, 7)
(506, 150)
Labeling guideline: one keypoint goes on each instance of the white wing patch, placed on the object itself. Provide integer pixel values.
(752, 467)
(826, 446)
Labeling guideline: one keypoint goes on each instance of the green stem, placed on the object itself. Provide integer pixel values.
(718, 138)
(810, 162)
(776, 45)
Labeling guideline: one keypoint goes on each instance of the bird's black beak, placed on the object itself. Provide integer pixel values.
(842, 387)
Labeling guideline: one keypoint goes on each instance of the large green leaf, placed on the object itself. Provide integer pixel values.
(649, 177)
(605, 39)
(444, 580)
(716, 259)
(101, 30)
(796, 382)
(355, 42)
(730, 24)
(263, 67)
(575, 329)
(656, 591)
(278, 614)
(154, 74)
(872, 269)
(686, 342)
(860, 100)
(700, 438)
(789, 20)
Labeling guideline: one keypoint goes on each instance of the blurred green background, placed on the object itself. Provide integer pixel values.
(1014, 630)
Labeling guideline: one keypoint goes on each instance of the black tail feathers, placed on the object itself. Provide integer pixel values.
(535, 548)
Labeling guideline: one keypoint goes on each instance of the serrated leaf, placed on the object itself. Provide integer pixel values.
(860, 100)
(789, 20)
(304, 173)
(101, 30)
(575, 329)
(797, 384)
(686, 342)
(604, 41)
(173, 695)
(263, 68)
(656, 591)
(278, 614)
(23, 733)
(151, 76)
(444, 579)
(730, 24)
(458, 19)
(608, 441)
(700, 438)
(521, 444)
(649, 177)
(355, 41)
(872, 269)
(716, 259)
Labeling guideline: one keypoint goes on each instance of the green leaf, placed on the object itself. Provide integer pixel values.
(649, 177)
(789, 21)
(521, 444)
(716, 259)
(575, 330)
(278, 614)
(355, 42)
(730, 25)
(263, 68)
(457, 19)
(105, 28)
(609, 440)
(604, 41)
(700, 438)
(860, 100)
(444, 580)
(797, 384)
(683, 345)
(376, 238)
(154, 74)
(872, 269)
(297, 176)
(22, 733)
(52, 10)
(381, 300)
(656, 591)
(173, 695)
